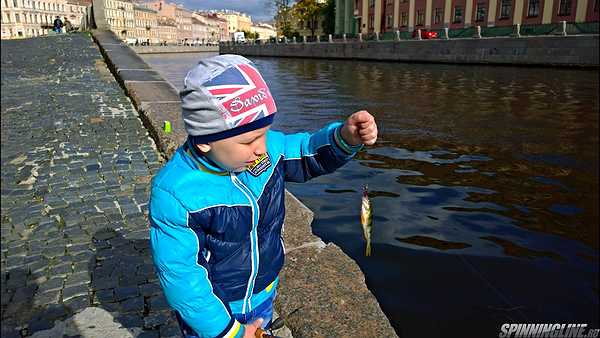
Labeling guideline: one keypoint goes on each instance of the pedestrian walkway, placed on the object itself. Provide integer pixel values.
(76, 167)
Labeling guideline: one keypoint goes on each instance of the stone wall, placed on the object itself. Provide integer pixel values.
(321, 289)
(173, 49)
(581, 50)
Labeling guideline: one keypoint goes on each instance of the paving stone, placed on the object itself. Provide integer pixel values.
(77, 304)
(148, 334)
(74, 291)
(48, 297)
(61, 270)
(158, 303)
(122, 293)
(130, 320)
(133, 304)
(104, 296)
(78, 278)
(170, 330)
(51, 285)
(24, 294)
(150, 289)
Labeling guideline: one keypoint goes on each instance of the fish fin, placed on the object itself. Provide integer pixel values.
(368, 249)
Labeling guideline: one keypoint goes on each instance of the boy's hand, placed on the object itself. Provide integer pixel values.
(360, 128)
(250, 329)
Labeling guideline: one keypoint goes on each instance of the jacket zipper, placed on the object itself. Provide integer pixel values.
(254, 252)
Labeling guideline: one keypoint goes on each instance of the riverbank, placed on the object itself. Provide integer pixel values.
(173, 49)
(565, 51)
(322, 286)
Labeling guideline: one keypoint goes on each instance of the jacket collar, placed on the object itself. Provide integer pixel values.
(203, 162)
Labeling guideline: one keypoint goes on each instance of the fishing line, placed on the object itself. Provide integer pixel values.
(491, 286)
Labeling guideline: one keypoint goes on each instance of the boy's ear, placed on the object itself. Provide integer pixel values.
(205, 148)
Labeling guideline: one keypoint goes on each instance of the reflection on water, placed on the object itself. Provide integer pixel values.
(484, 186)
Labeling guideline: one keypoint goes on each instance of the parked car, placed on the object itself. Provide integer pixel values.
(425, 34)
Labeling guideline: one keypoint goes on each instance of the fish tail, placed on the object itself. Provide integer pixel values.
(368, 249)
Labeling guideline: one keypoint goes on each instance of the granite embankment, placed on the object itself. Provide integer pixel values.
(578, 51)
(174, 49)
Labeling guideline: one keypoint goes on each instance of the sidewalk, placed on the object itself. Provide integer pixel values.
(76, 166)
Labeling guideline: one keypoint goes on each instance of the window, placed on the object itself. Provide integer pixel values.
(17, 18)
(458, 14)
(505, 9)
(420, 17)
(438, 15)
(371, 3)
(564, 8)
(15, 4)
(404, 19)
(389, 21)
(480, 14)
(533, 9)
(371, 21)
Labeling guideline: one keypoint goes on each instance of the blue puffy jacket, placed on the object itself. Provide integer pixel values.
(216, 235)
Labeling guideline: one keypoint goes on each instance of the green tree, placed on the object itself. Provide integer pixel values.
(283, 16)
(309, 12)
(328, 13)
(249, 35)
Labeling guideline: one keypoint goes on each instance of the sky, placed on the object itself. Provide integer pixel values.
(258, 9)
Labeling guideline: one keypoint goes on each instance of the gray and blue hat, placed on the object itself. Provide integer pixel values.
(224, 96)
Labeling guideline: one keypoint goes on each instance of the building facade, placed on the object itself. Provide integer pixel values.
(236, 21)
(264, 31)
(380, 16)
(216, 27)
(180, 15)
(167, 31)
(30, 18)
(146, 24)
(117, 16)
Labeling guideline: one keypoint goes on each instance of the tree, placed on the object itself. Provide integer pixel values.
(328, 13)
(309, 12)
(250, 35)
(283, 15)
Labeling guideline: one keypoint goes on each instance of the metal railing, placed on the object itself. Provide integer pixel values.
(553, 29)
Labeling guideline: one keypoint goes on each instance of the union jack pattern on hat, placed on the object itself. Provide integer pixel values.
(224, 96)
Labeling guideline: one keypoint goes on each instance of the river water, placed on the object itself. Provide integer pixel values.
(484, 185)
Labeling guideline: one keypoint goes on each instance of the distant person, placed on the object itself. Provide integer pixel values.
(147, 42)
(68, 26)
(217, 207)
(137, 42)
(57, 25)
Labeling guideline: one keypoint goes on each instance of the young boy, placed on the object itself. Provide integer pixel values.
(217, 207)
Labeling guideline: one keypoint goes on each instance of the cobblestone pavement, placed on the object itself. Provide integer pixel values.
(76, 166)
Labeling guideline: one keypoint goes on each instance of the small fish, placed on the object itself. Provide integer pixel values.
(366, 219)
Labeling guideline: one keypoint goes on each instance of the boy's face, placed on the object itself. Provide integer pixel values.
(238, 152)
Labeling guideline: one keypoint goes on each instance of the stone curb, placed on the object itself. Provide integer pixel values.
(322, 291)
(570, 51)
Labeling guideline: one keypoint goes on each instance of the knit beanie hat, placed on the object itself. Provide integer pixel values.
(224, 96)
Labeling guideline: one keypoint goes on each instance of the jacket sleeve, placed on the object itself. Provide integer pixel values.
(311, 155)
(182, 271)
